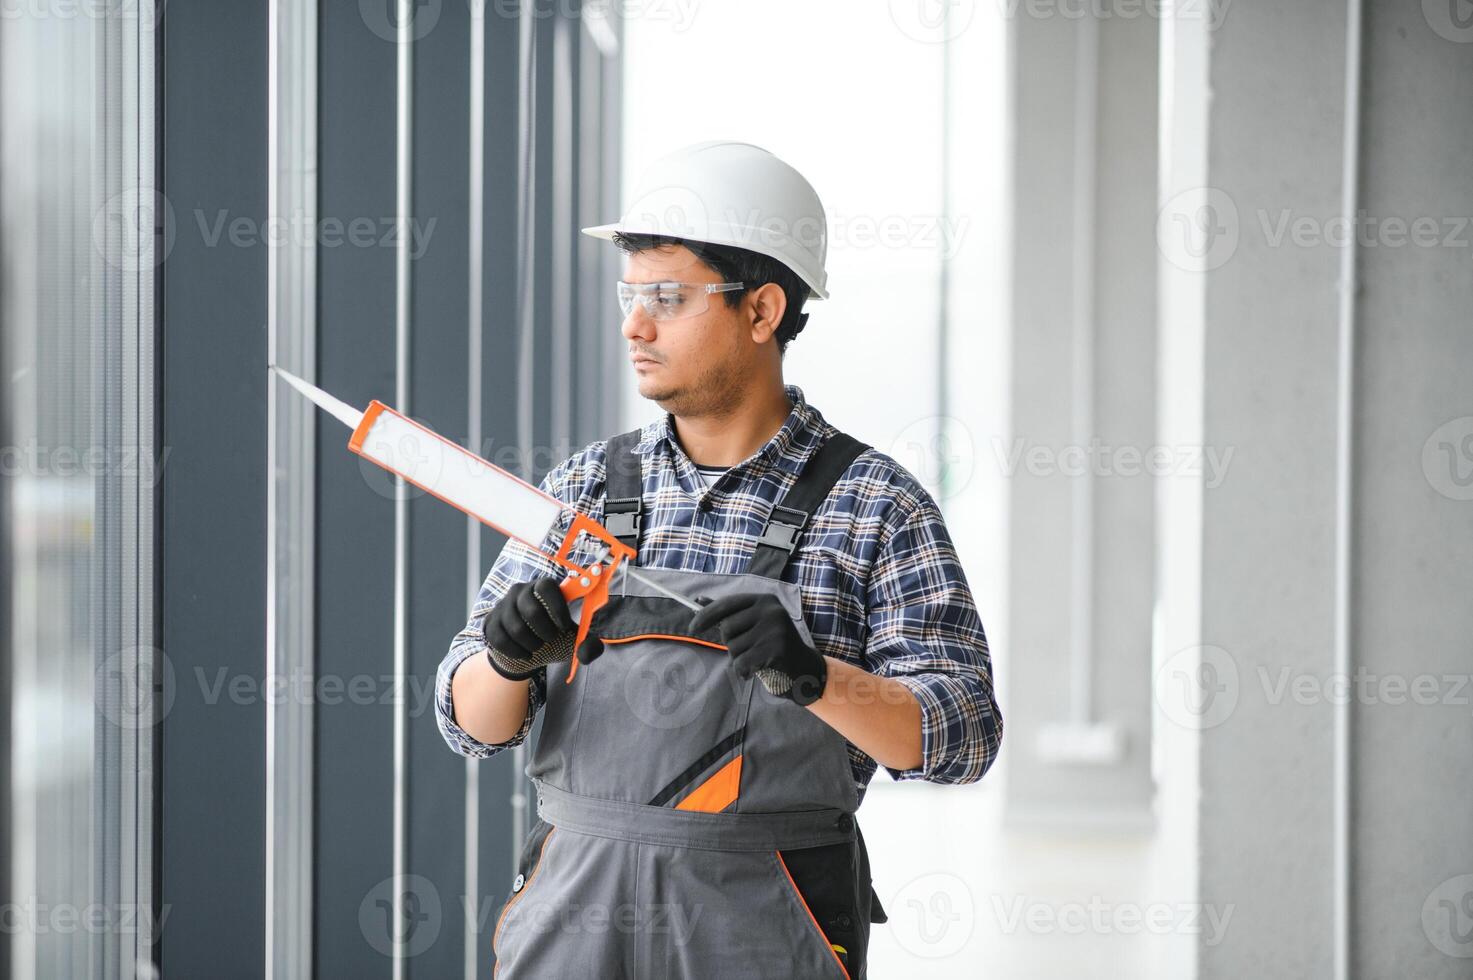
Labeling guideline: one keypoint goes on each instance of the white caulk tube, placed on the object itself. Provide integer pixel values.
(455, 475)
(466, 481)
(488, 493)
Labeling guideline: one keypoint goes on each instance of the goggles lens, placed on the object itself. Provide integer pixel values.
(670, 300)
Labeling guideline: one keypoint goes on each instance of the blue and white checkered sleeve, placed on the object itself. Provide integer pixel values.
(516, 563)
(925, 632)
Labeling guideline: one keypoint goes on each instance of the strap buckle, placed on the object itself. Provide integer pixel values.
(621, 516)
(784, 526)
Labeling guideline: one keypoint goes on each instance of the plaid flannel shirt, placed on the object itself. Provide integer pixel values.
(881, 584)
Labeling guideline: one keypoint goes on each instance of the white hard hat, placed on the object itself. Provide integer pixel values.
(728, 193)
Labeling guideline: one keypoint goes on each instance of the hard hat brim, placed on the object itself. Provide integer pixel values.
(605, 232)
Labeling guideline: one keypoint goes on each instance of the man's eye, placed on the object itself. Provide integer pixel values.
(669, 300)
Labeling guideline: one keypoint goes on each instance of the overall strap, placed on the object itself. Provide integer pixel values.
(624, 489)
(789, 517)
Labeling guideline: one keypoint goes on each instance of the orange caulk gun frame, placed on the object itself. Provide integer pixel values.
(480, 484)
(590, 584)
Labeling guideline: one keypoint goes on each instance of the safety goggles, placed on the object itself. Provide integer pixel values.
(671, 300)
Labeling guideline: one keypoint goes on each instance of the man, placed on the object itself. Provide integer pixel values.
(697, 776)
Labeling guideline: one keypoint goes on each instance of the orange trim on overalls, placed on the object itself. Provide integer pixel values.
(665, 636)
(495, 936)
(804, 902)
(718, 792)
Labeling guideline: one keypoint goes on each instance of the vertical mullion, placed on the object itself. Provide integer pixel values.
(525, 308)
(1082, 387)
(1344, 499)
(402, 208)
(475, 247)
(290, 516)
(106, 565)
(144, 893)
(560, 390)
(273, 326)
(127, 430)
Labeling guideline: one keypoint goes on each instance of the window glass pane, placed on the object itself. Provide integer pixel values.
(78, 462)
(879, 331)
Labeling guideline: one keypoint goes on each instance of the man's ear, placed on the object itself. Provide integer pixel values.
(767, 304)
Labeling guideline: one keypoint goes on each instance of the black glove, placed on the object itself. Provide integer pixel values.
(528, 629)
(763, 640)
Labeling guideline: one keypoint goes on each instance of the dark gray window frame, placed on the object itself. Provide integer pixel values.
(220, 303)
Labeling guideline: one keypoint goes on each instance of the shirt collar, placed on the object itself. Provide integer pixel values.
(789, 448)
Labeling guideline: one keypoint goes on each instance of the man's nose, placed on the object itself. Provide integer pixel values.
(638, 324)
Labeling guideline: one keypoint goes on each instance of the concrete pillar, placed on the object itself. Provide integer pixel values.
(1327, 677)
(1081, 538)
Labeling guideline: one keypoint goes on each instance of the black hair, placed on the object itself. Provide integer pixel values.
(734, 264)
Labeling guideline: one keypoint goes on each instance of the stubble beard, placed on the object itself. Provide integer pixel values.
(715, 392)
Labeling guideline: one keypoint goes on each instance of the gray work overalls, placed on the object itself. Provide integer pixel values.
(690, 824)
